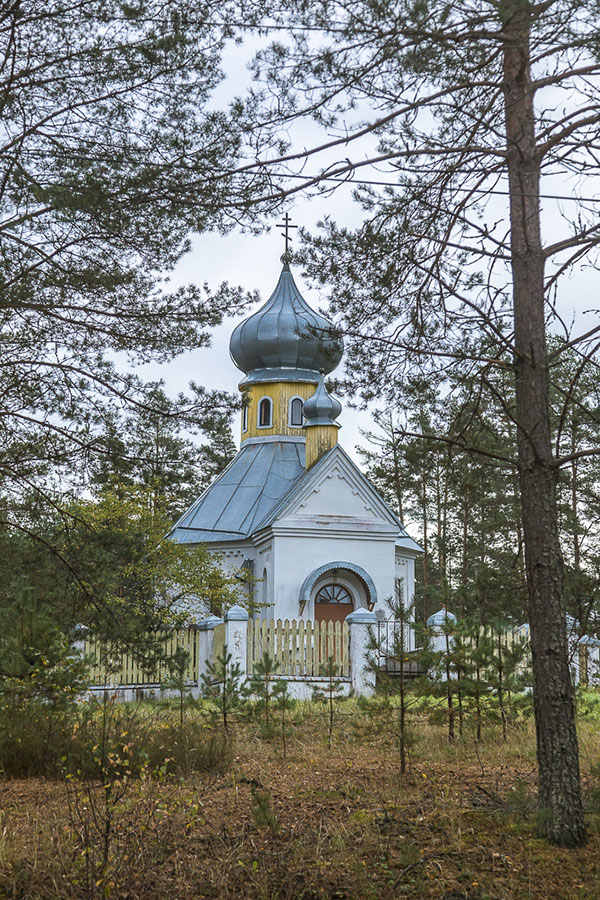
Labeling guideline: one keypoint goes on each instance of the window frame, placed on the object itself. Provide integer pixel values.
(258, 416)
(290, 406)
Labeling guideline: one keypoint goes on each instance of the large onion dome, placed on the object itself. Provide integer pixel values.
(285, 340)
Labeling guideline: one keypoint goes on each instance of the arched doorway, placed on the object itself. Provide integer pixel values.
(333, 602)
(334, 590)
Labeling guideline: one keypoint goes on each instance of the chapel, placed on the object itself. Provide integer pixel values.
(292, 508)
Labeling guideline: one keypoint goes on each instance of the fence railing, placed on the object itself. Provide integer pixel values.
(301, 647)
(396, 651)
(394, 640)
(119, 668)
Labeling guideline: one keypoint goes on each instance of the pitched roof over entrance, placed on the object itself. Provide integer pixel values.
(356, 484)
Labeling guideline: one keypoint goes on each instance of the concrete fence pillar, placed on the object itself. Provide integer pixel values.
(78, 644)
(206, 641)
(361, 673)
(236, 637)
(441, 624)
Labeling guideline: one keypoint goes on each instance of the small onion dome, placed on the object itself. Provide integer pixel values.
(321, 408)
(285, 340)
(440, 618)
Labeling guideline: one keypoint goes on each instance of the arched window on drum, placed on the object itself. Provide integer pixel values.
(296, 417)
(265, 413)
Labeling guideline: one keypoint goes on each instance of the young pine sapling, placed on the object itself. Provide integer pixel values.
(222, 683)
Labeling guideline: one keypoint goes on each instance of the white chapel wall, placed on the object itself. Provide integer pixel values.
(297, 555)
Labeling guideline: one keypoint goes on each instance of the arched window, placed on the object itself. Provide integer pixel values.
(296, 412)
(244, 418)
(333, 593)
(265, 407)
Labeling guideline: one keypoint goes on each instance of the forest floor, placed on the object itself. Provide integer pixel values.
(337, 822)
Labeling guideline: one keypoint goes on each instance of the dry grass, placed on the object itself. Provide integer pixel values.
(337, 823)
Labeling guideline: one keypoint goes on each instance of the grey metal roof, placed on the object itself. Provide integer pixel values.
(254, 489)
(242, 496)
(285, 334)
(321, 408)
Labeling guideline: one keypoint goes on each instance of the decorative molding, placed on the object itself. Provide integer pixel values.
(274, 439)
(331, 529)
(310, 581)
(343, 469)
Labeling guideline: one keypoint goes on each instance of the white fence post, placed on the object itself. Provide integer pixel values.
(440, 623)
(362, 675)
(236, 637)
(206, 640)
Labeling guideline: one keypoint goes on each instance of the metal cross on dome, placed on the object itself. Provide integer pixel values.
(286, 225)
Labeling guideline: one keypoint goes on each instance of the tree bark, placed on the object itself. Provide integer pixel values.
(395, 443)
(425, 547)
(574, 482)
(558, 758)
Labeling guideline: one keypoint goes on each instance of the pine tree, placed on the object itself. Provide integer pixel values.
(112, 152)
(283, 703)
(397, 686)
(333, 691)
(222, 683)
(262, 684)
(161, 452)
(506, 665)
(457, 93)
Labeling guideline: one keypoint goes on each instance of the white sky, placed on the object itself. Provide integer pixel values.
(254, 263)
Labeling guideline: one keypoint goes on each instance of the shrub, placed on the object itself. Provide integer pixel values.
(191, 748)
(33, 739)
(38, 740)
(588, 703)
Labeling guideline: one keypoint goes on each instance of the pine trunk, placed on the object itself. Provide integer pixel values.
(558, 758)
(397, 470)
(426, 609)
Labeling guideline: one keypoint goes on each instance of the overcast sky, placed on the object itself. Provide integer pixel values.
(253, 261)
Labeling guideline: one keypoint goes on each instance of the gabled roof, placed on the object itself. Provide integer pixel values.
(303, 486)
(261, 484)
(243, 495)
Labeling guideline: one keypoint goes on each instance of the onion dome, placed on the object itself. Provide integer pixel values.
(321, 408)
(285, 340)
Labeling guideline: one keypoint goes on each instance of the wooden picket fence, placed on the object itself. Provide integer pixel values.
(219, 641)
(506, 640)
(394, 659)
(124, 669)
(301, 647)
